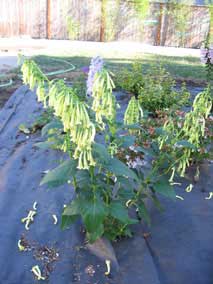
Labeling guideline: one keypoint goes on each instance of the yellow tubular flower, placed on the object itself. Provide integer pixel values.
(133, 113)
(68, 107)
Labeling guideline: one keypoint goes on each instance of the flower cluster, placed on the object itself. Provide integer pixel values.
(134, 112)
(67, 105)
(76, 121)
(85, 69)
(104, 102)
(205, 54)
(137, 162)
(96, 66)
(134, 162)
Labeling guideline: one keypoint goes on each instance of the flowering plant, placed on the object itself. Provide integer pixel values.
(186, 138)
(105, 186)
(105, 159)
(206, 55)
(96, 66)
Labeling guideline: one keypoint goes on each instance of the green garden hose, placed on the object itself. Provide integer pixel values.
(7, 84)
(61, 71)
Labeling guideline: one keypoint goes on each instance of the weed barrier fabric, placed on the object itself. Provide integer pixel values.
(179, 249)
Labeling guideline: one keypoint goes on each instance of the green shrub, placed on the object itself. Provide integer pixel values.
(154, 89)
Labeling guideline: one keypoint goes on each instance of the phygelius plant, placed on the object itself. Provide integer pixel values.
(206, 54)
(105, 163)
(96, 66)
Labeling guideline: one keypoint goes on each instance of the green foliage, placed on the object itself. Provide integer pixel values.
(61, 174)
(110, 14)
(133, 113)
(33, 76)
(154, 89)
(164, 187)
(73, 28)
(181, 12)
(143, 212)
(38, 124)
(142, 7)
(68, 107)
(56, 138)
(131, 80)
(103, 100)
(184, 138)
(106, 186)
(94, 182)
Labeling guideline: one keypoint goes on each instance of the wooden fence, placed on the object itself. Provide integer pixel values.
(83, 20)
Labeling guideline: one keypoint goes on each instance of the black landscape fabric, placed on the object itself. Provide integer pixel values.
(176, 249)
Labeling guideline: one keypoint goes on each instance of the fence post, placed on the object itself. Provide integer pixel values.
(103, 20)
(48, 28)
(158, 39)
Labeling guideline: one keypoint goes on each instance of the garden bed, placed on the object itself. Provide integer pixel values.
(176, 249)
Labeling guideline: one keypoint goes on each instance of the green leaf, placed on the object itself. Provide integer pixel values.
(93, 236)
(147, 151)
(101, 154)
(93, 213)
(56, 124)
(67, 221)
(157, 203)
(126, 184)
(125, 195)
(45, 145)
(160, 131)
(127, 141)
(120, 212)
(132, 126)
(61, 174)
(143, 212)
(118, 168)
(165, 188)
(73, 208)
(185, 144)
(83, 178)
(70, 214)
(24, 129)
(113, 165)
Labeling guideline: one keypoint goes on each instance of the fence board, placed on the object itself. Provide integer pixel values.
(48, 19)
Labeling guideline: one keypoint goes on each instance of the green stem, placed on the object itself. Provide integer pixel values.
(75, 183)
